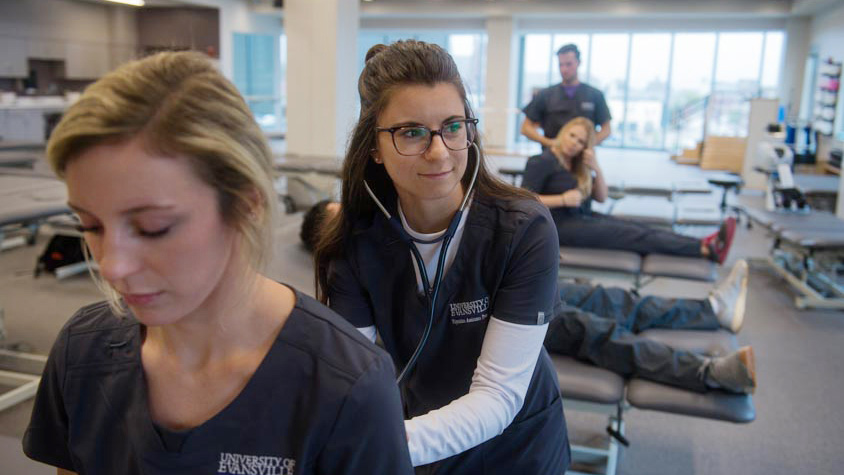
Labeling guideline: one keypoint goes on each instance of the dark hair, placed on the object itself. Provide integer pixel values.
(388, 68)
(569, 48)
(312, 222)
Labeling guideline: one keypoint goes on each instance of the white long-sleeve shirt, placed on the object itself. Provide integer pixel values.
(500, 381)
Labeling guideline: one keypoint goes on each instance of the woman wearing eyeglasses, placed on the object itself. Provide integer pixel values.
(455, 270)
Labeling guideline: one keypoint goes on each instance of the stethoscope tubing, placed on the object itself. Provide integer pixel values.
(431, 292)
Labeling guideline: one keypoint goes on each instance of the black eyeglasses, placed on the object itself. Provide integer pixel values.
(415, 139)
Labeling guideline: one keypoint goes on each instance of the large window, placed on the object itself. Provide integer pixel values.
(693, 61)
(644, 116)
(664, 90)
(467, 49)
(258, 61)
(737, 79)
(608, 73)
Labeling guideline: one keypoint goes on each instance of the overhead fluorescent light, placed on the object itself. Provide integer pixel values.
(134, 3)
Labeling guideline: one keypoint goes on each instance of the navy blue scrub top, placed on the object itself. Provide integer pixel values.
(552, 107)
(506, 266)
(323, 401)
(544, 175)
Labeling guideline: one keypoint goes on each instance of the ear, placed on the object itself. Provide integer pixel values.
(255, 203)
(375, 157)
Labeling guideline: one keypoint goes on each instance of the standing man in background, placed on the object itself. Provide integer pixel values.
(552, 107)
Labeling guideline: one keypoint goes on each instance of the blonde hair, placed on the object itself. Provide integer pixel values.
(180, 105)
(580, 171)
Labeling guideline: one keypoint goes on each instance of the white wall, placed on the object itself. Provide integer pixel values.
(64, 26)
(58, 20)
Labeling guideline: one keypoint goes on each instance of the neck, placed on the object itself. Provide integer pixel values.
(235, 316)
(564, 160)
(430, 215)
(571, 82)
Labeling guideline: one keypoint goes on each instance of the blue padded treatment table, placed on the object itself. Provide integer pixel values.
(698, 209)
(18, 158)
(720, 405)
(778, 221)
(807, 252)
(304, 164)
(25, 198)
(587, 262)
(645, 209)
(816, 239)
(649, 188)
(586, 387)
(817, 184)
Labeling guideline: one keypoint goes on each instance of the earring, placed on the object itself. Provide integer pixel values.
(375, 156)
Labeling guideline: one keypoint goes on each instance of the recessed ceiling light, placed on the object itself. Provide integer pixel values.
(134, 3)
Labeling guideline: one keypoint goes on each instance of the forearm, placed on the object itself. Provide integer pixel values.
(600, 190)
(552, 201)
(499, 384)
(567, 199)
(531, 131)
(602, 134)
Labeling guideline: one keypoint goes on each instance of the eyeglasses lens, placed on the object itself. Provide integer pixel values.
(414, 140)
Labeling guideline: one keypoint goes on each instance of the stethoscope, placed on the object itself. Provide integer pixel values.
(431, 292)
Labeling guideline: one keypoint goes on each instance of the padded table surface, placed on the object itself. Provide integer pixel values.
(714, 404)
(815, 238)
(643, 187)
(302, 164)
(586, 382)
(24, 199)
(647, 209)
(779, 221)
(692, 186)
(603, 259)
(817, 184)
(14, 158)
(694, 268)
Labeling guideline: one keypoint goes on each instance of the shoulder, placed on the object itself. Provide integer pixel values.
(545, 159)
(326, 339)
(91, 334)
(545, 94)
(592, 91)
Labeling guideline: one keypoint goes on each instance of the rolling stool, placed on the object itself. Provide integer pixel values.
(728, 182)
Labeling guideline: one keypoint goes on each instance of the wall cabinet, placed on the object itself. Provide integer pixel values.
(86, 60)
(121, 55)
(13, 58)
(46, 49)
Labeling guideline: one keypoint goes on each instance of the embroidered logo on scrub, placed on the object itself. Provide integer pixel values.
(469, 312)
(587, 106)
(239, 464)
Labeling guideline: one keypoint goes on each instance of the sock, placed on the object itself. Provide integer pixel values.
(734, 372)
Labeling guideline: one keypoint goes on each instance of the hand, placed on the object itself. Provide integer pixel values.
(572, 198)
(589, 159)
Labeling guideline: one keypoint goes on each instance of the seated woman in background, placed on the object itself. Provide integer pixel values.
(567, 178)
(198, 363)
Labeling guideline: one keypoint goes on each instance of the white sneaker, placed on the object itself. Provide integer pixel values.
(731, 297)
